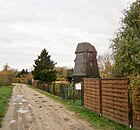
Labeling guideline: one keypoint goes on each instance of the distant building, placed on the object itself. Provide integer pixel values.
(85, 62)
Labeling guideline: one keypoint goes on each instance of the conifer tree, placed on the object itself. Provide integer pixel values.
(44, 68)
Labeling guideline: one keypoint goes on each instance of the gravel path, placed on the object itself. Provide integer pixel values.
(30, 110)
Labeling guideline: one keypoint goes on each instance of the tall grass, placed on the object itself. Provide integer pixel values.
(5, 93)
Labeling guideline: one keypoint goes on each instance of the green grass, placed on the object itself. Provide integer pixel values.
(94, 119)
(5, 93)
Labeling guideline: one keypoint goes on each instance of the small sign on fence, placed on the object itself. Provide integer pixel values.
(78, 86)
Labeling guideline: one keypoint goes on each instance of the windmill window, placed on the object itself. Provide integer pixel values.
(91, 64)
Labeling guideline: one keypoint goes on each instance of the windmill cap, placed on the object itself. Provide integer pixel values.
(85, 47)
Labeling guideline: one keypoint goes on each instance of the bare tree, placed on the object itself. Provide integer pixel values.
(105, 64)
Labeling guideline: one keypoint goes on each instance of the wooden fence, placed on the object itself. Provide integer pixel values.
(64, 90)
(108, 97)
(91, 94)
(111, 98)
(136, 103)
(115, 100)
(53, 88)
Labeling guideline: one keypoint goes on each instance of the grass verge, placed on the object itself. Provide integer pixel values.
(94, 119)
(5, 93)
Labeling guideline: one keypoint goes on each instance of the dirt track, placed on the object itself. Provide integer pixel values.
(30, 110)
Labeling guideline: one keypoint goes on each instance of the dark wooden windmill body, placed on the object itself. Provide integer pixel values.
(85, 62)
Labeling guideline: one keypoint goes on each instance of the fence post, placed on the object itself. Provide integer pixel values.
(130, 116)
(67, 91)
(53, 83)
(82, 93)
(73, 85)
(62, 91)
(100, 95)
(43, 86)
(49, 88)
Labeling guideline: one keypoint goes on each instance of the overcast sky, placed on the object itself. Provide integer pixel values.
(28, 26)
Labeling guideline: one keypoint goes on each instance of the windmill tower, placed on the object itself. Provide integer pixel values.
(85, 62)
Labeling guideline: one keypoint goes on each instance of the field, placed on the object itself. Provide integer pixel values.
(5, 93)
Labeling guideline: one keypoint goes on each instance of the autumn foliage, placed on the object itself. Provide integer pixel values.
(7, 77)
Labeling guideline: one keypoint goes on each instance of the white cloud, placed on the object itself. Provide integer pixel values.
(28, 26)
